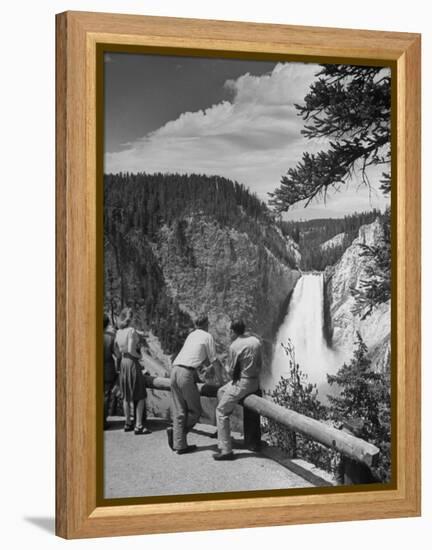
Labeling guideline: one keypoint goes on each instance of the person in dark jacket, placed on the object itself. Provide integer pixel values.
(110, 372)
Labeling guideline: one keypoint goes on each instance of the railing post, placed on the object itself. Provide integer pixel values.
(252, 426)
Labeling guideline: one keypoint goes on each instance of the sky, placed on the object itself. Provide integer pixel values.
(233, 118)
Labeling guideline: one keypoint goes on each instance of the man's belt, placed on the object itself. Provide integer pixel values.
(127, 355)
(185, 367)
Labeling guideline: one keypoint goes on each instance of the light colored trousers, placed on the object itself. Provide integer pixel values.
(228, 397)
(186, 404)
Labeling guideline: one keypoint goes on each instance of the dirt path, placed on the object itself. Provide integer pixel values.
(145, 466)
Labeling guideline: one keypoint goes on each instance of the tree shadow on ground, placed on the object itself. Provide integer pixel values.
(201, 449)
(204, 433)
(237, 456)
(236, 443)
(245, 454)
(157, 425)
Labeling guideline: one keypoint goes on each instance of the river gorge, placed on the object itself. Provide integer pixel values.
(322, 325)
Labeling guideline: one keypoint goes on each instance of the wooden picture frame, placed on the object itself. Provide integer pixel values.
(78, 224)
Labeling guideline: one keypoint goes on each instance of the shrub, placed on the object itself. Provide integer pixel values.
(365, 394)
(295, 392)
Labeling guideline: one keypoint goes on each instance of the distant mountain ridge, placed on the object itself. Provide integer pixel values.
(323, 241)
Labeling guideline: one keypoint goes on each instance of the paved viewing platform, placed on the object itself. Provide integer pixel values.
(144, 465)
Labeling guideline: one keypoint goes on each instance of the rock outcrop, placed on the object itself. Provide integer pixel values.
(337, 240)
(344, 323)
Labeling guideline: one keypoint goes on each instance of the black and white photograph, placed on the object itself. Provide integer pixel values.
(247, 239)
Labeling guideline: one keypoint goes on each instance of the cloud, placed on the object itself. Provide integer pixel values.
(254, 138)
(286, 84)
(256, 129)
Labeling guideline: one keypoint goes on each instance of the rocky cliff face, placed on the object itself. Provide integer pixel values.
(344, 324)
(200, 266)
(221, 271)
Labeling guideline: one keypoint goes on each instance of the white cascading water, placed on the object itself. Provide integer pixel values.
(303, 325)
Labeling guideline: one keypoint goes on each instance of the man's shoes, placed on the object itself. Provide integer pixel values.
(224, 456)
(128, 428)
(188, 449)
(142, 430)
(170, 438)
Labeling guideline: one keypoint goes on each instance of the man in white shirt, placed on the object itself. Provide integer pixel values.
(198, 350)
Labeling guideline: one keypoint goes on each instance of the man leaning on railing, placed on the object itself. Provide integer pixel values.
(198, 350)
(244, 364)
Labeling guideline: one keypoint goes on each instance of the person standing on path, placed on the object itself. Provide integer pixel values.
(197, 351)
(244, 365)
(132, 384)
(110, 371)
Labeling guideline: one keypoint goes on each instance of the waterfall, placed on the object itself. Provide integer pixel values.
(304, 326)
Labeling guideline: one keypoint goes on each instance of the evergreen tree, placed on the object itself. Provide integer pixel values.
(375, 288)
(350, 105)
(364, 394)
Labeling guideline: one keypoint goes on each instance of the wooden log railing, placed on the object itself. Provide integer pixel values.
(349, 445)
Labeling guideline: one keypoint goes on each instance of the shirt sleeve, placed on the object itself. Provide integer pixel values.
(211, 349)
